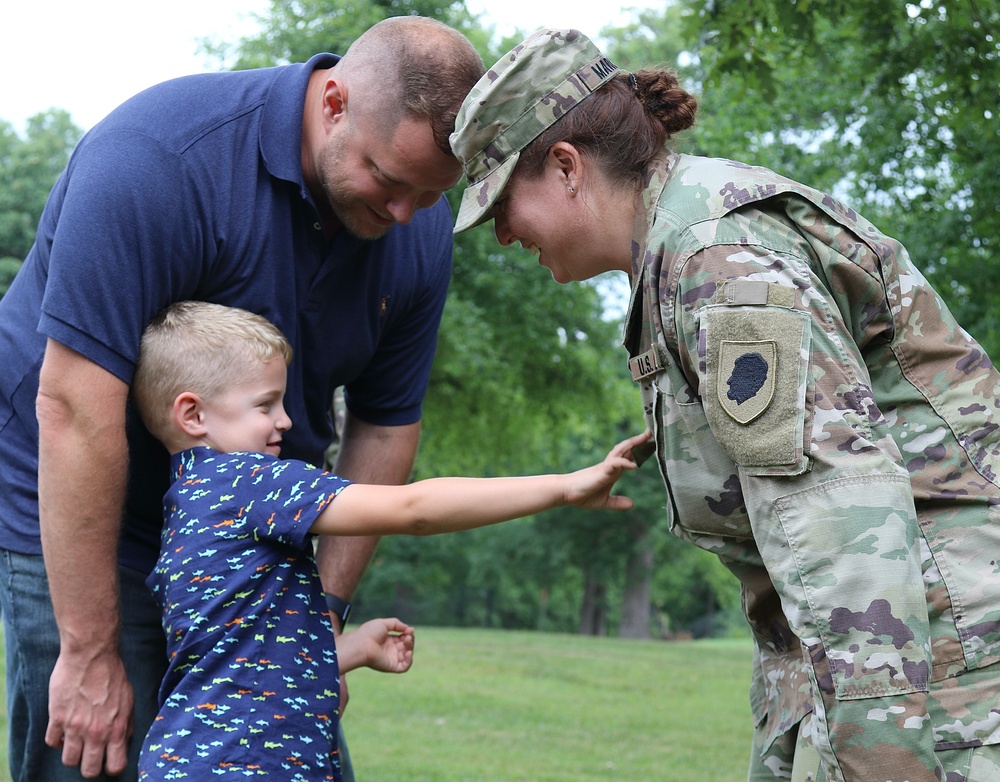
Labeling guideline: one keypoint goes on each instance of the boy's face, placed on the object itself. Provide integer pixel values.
(251, 416)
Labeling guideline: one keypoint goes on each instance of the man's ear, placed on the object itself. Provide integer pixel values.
(189, 414)
(334, 100)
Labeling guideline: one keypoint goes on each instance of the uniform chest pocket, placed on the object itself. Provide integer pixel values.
(704, 496)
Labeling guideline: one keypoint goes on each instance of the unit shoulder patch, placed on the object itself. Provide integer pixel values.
(747, 371)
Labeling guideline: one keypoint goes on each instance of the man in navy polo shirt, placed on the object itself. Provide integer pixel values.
(292, 192)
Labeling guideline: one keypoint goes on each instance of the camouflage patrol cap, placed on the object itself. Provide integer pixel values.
(529, 88)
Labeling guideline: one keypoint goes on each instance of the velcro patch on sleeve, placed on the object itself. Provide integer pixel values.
(743, 292)
(755, 382)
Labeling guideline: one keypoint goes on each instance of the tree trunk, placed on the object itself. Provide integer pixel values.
(638, 577)
(593, 610)
(402, 599)
(543, 610)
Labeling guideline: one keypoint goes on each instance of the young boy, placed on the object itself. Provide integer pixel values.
(252, 684)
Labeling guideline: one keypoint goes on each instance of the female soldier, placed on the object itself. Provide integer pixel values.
(821, 421)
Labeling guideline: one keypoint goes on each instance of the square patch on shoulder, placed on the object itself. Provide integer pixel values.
(756, 368)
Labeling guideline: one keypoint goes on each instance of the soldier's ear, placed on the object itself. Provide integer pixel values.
(566, 162)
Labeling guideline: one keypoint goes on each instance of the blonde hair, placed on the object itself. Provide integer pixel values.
(203, 348)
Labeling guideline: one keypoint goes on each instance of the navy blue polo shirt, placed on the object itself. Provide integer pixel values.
(193, 189)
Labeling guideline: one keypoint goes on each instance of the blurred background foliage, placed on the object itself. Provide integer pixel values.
(891, 106)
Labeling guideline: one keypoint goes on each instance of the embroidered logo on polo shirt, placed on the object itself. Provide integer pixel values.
(746, 378)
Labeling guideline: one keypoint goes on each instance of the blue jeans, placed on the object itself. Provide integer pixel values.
(31, 639)
(32, 646)
(346, 769)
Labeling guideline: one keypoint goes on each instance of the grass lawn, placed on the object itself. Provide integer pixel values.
(484, 705)
(494, 705)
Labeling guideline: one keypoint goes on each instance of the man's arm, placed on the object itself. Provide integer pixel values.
(368, 454)
(82, 475)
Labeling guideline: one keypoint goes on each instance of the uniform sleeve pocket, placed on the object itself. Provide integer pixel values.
(756, 370)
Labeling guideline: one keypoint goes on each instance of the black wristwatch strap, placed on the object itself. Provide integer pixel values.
(339, 607)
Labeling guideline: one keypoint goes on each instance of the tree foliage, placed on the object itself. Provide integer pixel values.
(294, 30)
(28, 168)
(891, 105)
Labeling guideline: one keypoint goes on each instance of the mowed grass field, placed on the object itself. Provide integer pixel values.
(536, 707)
(485, 705)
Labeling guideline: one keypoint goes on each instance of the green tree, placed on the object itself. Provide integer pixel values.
(294, 30)
(28, 168)
(891, 105)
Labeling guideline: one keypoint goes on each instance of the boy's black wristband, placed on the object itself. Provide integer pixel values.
(339, 607)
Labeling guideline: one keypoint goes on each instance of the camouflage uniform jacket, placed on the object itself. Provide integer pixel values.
(825, 427)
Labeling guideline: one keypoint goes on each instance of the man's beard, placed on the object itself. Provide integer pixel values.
(352, 212)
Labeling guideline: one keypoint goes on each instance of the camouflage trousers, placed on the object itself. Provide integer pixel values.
(973, 764)
(791, 758)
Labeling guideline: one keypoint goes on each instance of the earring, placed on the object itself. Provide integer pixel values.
(570, 190)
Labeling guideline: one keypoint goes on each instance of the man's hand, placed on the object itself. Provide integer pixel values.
(90, 713)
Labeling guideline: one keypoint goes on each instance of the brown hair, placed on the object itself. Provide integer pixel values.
(415, 66)
(623, 125)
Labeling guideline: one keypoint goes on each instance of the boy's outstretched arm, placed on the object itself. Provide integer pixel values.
(382, 644)
(441, 505)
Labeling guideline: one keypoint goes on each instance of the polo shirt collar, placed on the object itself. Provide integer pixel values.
(281, 125)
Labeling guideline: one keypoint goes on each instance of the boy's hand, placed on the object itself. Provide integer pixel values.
(388, 644)
(591, 487)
